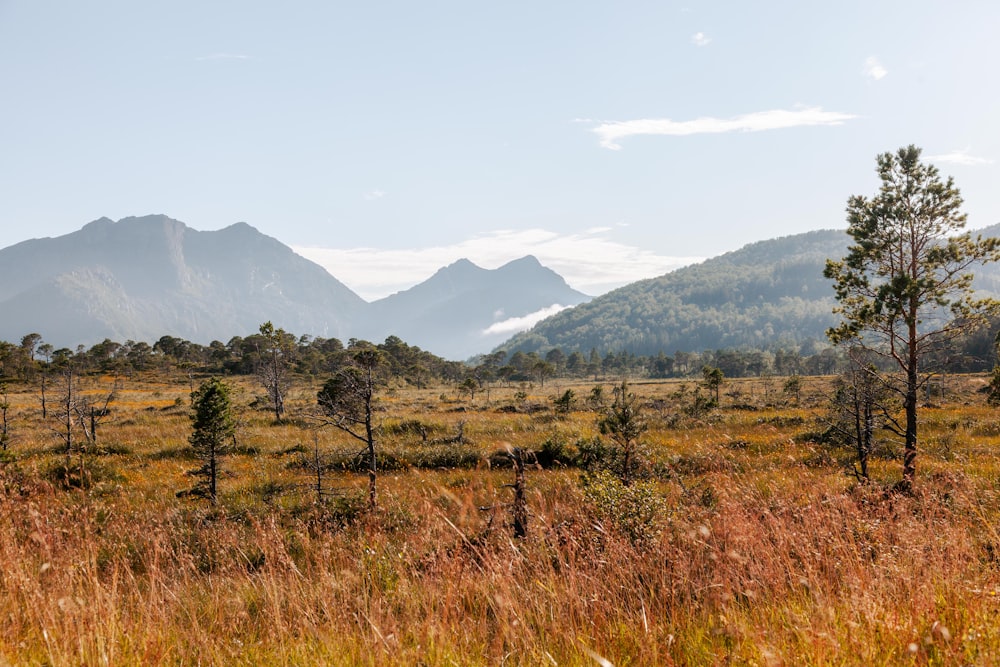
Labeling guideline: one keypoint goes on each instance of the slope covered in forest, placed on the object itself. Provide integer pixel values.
(767, 294)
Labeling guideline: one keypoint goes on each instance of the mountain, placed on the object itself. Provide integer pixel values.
(144, 277)
(766, 295)
(462, 309)
(987, 280)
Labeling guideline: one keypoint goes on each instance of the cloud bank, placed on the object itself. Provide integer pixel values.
(590, 261)
(960, 157)
(777, 119)
(515, 325)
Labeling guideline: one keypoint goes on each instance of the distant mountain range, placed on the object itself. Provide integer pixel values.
(144, 277)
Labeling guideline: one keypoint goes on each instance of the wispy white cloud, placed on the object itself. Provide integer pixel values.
(960, 157)
(874, 69)
(224, 56)
(514, 325)
(700, 39)
(589, 261)
(374, 194)
(777, 119)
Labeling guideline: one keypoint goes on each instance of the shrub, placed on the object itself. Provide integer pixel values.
(411, 427)
(555, 452)
(94, 472)
(993, 388)
(564, 404)
(635, 511)
(345, 510)
(595, 455)
(445, 456)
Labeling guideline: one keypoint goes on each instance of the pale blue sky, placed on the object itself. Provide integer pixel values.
(607, 138)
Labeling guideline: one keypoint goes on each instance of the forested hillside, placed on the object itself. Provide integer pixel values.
(767, 295)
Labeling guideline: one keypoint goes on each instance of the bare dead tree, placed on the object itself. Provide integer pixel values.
(519, 508)
(346, 402)
(90, 416)
(861, 407)
(45, 350)
(4, 421)
(519, 505)
(64, 414)
(319, 470)
(43, 377)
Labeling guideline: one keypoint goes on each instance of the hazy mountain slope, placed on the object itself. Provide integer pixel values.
(142, 278)
(449, 312)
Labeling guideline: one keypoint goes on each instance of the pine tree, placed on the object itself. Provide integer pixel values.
(623, 422)
(905, 285)
(213, 428)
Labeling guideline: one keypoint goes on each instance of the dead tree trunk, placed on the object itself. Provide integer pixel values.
(519, 509)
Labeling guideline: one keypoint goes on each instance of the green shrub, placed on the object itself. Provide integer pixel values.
(411, 427)
(635, 511)
(595, 455)
(564, 404)
(555, 452)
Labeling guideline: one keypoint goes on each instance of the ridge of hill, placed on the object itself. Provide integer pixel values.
(144, 277)
(141, 278)
(766, 295)
(462, 308)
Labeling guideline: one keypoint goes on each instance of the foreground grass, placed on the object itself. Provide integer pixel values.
(763, 552)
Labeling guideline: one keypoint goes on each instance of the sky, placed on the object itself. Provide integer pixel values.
(612, 140)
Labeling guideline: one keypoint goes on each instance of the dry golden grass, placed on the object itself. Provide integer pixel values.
(766, 552)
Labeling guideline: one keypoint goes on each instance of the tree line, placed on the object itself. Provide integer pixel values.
(301, 355)
(304, 355)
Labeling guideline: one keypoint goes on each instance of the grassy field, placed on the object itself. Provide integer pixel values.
(747, 542)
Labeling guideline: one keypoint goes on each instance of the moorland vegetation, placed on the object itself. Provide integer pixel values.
(745, 534)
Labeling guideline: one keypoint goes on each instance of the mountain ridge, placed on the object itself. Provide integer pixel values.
(425, 314)
(769, 294)
(144, 277)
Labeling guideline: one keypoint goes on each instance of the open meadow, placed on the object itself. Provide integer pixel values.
(745, 540)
